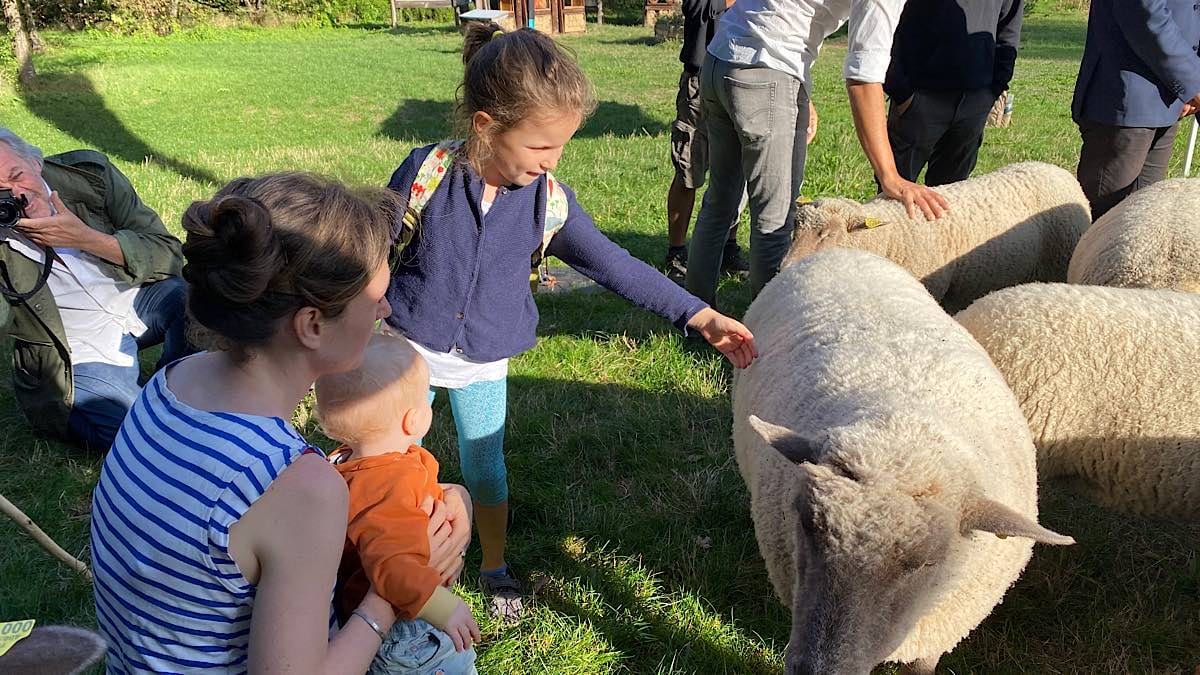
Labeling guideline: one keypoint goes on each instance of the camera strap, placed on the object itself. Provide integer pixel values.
(10, 292)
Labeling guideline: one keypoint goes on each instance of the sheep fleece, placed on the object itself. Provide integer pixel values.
(1150, 240)
(846, 336)
(1012, 226)
(1107, 380)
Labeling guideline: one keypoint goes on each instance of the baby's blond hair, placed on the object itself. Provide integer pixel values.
(368, 400)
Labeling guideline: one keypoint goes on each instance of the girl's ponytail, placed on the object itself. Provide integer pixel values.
(479, 33)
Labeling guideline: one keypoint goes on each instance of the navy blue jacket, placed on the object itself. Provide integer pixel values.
(463, 281)
(1140, 62)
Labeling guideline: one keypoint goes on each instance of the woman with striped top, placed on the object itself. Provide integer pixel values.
(216, 529)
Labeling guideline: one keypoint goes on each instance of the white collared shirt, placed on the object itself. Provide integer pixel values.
(786, 35)
(96, 309)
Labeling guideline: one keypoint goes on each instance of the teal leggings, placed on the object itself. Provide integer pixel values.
(479, 411)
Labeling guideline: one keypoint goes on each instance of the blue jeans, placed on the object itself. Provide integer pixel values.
(103, 392)
(757, 119)
(417, 648)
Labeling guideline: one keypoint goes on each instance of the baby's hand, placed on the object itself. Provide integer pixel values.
(461, 627)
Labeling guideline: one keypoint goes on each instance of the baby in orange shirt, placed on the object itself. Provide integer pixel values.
(378, 412)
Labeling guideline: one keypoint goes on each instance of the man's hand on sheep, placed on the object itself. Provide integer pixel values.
(728, 335)
(870, 121)
(914, 197)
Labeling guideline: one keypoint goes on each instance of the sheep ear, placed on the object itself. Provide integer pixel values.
(794, 447)
(986, 515)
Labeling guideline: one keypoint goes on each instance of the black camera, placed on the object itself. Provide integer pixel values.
(12, 208)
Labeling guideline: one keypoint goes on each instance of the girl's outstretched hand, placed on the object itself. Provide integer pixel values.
(729, 336)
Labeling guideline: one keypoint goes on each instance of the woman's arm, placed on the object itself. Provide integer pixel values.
(291, 541)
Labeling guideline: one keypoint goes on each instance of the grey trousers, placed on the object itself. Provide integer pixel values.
(943, 129)
(757, 118)
(1117, 161)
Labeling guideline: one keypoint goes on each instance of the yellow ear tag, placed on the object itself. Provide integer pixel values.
(802, 200)
(12, 632)
(872, 223)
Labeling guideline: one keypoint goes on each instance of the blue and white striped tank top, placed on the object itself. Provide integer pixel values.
(168, 596)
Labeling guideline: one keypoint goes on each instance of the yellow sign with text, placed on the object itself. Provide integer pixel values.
(12, 632)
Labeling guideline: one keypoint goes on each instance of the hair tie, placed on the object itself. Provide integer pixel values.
(497, 34)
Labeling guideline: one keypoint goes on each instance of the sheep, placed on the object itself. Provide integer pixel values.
(1150, 240)
(886, 462)
(1106, 378)
(1015, 225)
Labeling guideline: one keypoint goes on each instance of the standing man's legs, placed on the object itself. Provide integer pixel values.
(722, 200)
(757, 122)
(689, 156)
(1116, 161)
(912, 133)
(1158, 158)
(957, 150)
(770, 111)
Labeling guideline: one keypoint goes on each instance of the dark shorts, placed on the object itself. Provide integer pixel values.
(689, 137)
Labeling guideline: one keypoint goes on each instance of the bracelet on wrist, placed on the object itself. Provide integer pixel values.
(370, 622)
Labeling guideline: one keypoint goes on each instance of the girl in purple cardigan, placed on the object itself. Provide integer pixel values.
(460, 292)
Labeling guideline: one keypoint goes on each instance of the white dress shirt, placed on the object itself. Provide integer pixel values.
(786, 35)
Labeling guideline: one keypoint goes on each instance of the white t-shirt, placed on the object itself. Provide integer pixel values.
(455, 371)
(786, 35)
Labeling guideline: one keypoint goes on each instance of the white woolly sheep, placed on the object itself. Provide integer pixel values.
(1012, 226)
(1150, 240)
(886, 461)
(1107, 380)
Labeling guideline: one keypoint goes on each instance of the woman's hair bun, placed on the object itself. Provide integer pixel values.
(232, 251)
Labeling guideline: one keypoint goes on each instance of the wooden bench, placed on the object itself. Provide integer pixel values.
(457, 5)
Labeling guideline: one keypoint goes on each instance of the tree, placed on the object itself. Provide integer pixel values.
(35, 40)
(22, 45)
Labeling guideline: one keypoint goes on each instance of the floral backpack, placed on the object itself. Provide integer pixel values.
(429, 177)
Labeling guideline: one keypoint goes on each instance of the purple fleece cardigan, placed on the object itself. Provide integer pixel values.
(463, 281)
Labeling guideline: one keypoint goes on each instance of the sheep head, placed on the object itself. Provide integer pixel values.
(823, 224)
(877, 533)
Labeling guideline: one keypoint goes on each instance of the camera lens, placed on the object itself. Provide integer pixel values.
(8, 214)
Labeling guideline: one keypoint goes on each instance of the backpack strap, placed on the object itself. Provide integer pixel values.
(556, 211)
(553, 221)
(429, 176)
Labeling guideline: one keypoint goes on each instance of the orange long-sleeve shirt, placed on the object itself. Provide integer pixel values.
(387, 543)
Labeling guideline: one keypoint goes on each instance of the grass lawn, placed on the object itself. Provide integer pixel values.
(626, 499)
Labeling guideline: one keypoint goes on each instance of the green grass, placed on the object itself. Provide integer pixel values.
(627, 503)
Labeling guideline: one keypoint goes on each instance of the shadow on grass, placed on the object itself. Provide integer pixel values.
(420, 29)
(434, 120)
(643, 41)
(71, 103)
(627, 499)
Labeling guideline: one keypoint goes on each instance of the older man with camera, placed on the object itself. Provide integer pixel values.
(89, 276)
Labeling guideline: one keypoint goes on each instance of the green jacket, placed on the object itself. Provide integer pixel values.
(91, 187)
